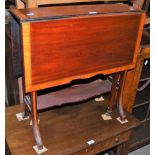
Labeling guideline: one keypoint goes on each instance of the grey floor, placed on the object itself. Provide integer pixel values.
(142, 151)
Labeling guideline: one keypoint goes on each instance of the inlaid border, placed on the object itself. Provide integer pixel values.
(26, 42)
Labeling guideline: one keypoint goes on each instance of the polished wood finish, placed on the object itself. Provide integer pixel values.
(66, 130)
(116, 94)
(36, 131)
(133, 76)
(121, 82)
(113, 93)
(71, 32)
(79, 60)
(132, 80)
(26, 55)
(62, 46)
(70, 11)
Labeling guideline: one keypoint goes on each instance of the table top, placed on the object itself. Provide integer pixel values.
(58, 12)
(65, 130)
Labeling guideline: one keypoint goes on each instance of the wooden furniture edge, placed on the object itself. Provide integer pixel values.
(132, 80)
(18, 14)
(26, 54)
(140, 32)
(29, 87)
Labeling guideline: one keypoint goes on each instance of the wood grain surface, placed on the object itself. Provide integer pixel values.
(66, 130)
(60, 46)
(63, 50)
(133, 76)
(30, 14)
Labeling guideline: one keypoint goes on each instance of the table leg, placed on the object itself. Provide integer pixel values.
(35, 121)
(116, 94)
(121, 82)
(26, 111)
(113, 93)
(122, 149)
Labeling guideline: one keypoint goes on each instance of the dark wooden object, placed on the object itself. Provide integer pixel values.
(12, 96)
(61, 44)
(72, 126)
(15, 48)
(116, 93)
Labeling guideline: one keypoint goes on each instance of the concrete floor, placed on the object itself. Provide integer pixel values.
(142, 151)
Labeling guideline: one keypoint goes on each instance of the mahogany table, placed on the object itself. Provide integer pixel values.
(57, 45)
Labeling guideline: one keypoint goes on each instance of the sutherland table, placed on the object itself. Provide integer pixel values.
(57, 45)
(73, 126)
